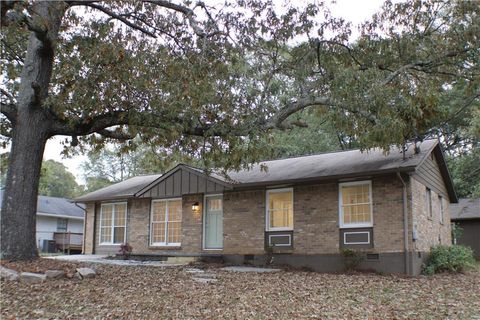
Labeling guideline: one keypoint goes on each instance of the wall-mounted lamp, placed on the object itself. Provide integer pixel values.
(195, 207)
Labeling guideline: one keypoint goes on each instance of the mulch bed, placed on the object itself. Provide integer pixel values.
(126, 292)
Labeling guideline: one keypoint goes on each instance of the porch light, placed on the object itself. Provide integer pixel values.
(195, 207)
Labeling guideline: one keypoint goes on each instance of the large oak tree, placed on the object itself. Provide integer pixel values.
(213, 81)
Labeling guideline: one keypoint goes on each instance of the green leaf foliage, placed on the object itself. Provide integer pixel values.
(57, 181)
(454, 258)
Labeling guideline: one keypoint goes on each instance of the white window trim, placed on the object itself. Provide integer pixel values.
(204, 213)
(289, 244)
(355, 232)
(267, 213)
(340, 201)
(164, 244)
(111, 243)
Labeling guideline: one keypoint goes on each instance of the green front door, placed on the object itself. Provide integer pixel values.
(213, 222)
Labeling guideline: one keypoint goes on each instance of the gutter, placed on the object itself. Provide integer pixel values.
(405, 222)
(84, 225)
(52, 215)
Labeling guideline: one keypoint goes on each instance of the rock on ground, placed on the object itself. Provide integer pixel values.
(30, 277)
(85, 273)
(8, 274)
(54, 274)
(249, 269)
(204, 280)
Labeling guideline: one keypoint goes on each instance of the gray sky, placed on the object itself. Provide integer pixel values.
(355, 11)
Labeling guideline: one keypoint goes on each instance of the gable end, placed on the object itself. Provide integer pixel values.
(182, 180)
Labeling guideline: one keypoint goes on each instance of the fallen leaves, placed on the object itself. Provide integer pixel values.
(126, 292)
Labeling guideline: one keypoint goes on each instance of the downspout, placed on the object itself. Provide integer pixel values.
(405, 222)
(84, 226)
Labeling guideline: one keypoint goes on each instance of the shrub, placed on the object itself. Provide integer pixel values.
(456, 232)
(453, 258)
(125, 250)
(352, 258)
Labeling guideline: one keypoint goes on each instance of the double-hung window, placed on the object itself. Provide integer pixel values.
(355, 200)
(166, 223)
(280, 209)
(113, 217)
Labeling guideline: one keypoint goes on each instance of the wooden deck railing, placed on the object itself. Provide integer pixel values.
(67, 241)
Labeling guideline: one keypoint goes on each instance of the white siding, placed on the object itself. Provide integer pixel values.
(75, 226)
(46, 226)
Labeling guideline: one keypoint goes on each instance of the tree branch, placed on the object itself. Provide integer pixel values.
(117, 16)
(424, 66)
(122, 136)
(331, 42)
(189, 14)
(9, 110)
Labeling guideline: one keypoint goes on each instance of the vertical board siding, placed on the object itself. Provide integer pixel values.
(177, 182)
(429, 174)
(183, 182)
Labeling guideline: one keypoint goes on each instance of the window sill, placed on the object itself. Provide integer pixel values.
(165, 247)
(109, 244)
(356, 226)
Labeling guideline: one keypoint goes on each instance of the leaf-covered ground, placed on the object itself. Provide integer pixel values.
(156, 293)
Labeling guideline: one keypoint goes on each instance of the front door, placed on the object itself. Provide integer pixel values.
(213, 222)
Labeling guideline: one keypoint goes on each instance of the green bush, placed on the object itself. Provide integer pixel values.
(453, 258)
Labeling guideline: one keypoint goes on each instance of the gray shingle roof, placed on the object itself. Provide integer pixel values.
(315, 167)
(333, 164)
(55, 206)
(465, 209)
(121, 190)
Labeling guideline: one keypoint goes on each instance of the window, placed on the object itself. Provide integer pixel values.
(113, 218)
(280, 209)
(442, 209)
(166, 222)
(428, 202)
(356, 204)
(62, 225)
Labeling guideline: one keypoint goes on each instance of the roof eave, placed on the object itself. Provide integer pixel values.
(97, 199)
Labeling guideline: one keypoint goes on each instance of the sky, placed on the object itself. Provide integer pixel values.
(355, 11)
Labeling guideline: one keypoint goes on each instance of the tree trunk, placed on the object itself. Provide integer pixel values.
(18, 220)
(30, 133)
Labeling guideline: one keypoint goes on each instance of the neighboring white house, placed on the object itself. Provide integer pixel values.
(56, 215)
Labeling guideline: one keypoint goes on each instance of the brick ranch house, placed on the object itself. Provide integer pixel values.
(392, 208)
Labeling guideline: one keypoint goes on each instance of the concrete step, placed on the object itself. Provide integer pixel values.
(181, 260)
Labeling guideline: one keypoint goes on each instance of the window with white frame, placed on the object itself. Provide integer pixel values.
(166, 222)
(113, 217)
(355, 200)
(428, 202)
(280, 209)
(442, 208)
